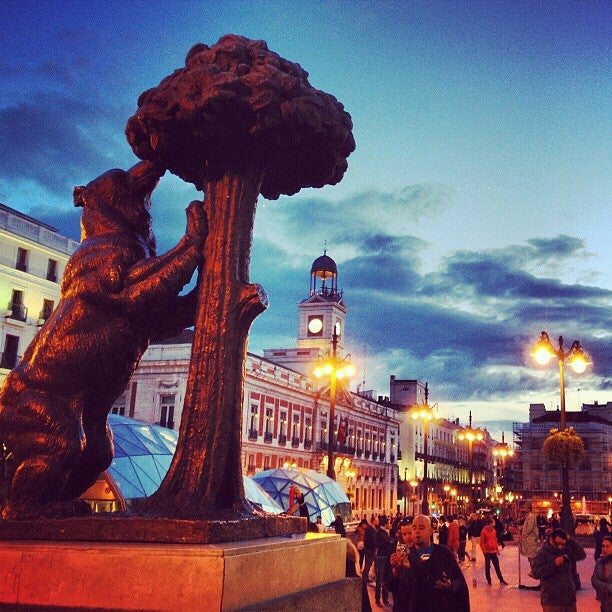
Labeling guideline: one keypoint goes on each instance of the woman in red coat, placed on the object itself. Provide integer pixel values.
(490, 546)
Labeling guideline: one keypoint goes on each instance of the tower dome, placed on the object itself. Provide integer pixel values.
(325, 269)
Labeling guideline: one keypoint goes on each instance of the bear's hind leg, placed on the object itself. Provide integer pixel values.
(95, 458)
(46, 443)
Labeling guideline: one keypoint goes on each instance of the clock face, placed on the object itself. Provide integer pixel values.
(315, 325)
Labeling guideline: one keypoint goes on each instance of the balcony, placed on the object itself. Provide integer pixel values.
(392, 458)
(321, 446)
(374, 456)
(253, 434)
(295, 441)
(307, 444)
(282, 439)
(268, 436)
(16, 311)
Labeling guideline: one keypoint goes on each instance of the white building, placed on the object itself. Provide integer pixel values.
(33, 256)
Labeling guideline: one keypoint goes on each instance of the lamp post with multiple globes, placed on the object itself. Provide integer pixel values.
(471, 435)
(337, 369)
(501, 452)
(426, 414)
(543, 352)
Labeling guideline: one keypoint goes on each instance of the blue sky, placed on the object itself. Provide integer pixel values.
(475, 212)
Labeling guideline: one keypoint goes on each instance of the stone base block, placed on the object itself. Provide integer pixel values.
(230, 576)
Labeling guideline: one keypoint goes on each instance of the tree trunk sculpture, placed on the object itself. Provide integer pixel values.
(237, 121)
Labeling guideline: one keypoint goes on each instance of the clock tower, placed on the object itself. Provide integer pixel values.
(321, 312)
(324, 309)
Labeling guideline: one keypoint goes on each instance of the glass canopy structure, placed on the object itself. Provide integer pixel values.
(323, 495)
(143, 454)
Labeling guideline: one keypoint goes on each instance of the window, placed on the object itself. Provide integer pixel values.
(119, 407)
(167, 411)
(9, 355)
(253, 429)
(16, 310)
(269, 421)
(295, 430)
(46, 311)
(22, 260)
(308, 433)
(323, 432)
(52, 270)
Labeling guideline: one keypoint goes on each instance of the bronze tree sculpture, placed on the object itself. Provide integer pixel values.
(238, 120)
(116, 296)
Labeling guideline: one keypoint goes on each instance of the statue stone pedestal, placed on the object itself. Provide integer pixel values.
(305, 570)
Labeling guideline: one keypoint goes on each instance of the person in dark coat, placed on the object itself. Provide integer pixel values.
(384, 548)
(599, 534)
(602, 576)
(401, 579)
(338, 525)
(552, 565)
(439, 584)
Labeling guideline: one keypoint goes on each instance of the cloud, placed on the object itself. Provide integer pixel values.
(466, 327)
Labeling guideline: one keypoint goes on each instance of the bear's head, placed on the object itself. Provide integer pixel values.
(119, 201)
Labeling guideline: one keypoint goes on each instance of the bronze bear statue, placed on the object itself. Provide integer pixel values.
(116, 297)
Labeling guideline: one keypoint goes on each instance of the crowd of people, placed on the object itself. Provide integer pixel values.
(419, 573)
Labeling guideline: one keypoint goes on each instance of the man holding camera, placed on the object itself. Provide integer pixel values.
(552, 565)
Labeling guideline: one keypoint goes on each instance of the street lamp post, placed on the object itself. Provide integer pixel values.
(446, 488)
(543, 352)
(414, 484)
(336, 368)
(425, 413)
(405, 491)
(501, 452)
(470, 435)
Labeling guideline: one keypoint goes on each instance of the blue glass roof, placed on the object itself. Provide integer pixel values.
(142, 457)
(322, 495)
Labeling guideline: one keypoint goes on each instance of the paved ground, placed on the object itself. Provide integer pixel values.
(484, 598)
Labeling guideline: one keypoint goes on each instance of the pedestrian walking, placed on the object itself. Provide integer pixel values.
(490, 547)
(529, 534)
(360, 543)
(474, 526)
(602, 575)
(552, 565)
(384, 548)
(453, 535)
(370, 549)
(499, 531)
(462, 539)
(442, 531)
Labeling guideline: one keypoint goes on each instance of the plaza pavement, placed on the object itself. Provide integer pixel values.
(496, 598)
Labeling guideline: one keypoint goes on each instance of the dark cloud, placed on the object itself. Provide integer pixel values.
(468, 326)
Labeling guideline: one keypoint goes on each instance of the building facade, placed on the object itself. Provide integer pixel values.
(590, 479)
(33, 256)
